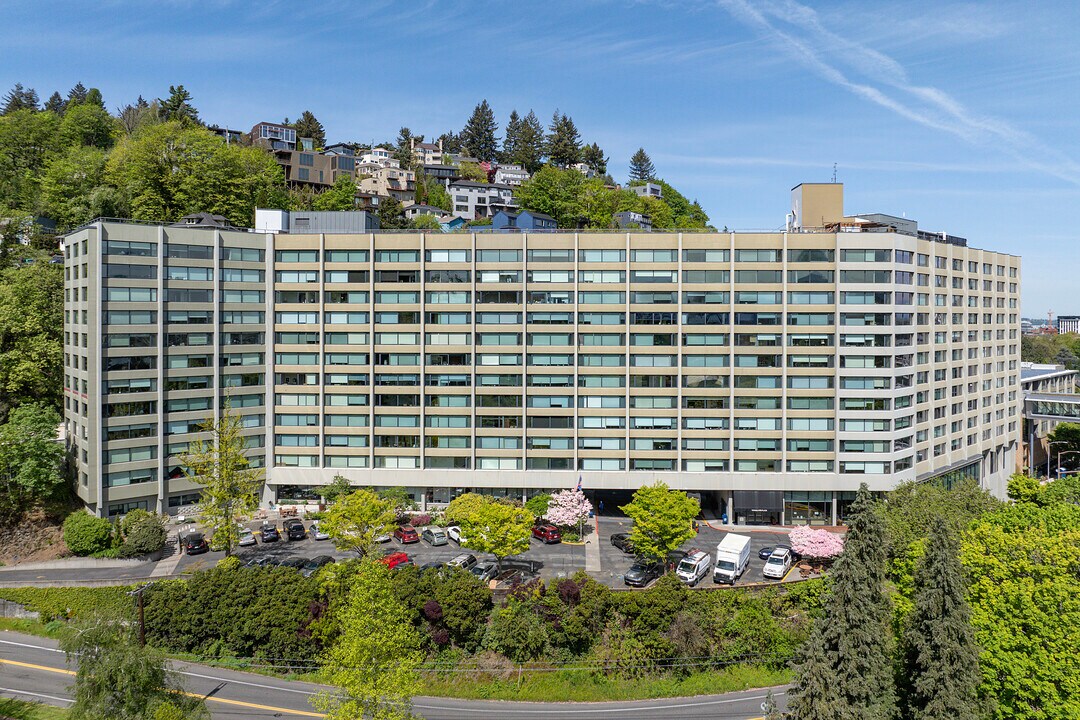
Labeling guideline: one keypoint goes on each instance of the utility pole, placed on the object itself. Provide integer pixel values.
(142, 618)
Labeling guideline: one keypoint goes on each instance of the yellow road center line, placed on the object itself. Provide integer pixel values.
(241, 703)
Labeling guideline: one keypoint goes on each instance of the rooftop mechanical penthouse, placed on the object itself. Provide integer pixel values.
(770, 371)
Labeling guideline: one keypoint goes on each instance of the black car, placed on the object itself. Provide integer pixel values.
(314, 564)
(643, 572)
(295, 530)
(270, 533)
(622, 541)
(297, 563)
(766, 551)
(195, 543)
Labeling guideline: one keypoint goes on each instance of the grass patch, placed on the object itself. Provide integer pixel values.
(19, 710)
(587, 686)
(32, 627)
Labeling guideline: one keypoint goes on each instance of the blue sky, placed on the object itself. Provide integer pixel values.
(960, 115)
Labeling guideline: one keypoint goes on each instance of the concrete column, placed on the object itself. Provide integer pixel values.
(834, 509)
(731, 508)
(524, 496)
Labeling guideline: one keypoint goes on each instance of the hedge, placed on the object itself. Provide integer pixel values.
(74, 602)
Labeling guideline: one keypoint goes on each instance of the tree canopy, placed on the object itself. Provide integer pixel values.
(490, 525)
(563, 141)
(178, 106)
(358, 519)
(478, 137)
(308, 126)
(663, 519)
(641, 166)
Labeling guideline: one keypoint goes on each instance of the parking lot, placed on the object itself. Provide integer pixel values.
(546, 561)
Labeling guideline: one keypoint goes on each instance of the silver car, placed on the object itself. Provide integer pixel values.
(316, 532)
(246, 537)
(434, 536)
(485, 571)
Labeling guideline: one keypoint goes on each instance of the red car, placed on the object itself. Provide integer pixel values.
(549, 534)
(406, 534)
(394, 559)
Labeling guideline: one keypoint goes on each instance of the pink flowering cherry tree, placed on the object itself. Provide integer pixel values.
(568, 508)
(816, 544)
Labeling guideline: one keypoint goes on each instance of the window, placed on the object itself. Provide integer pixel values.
(652, 276)
(397, 256)
(504, 256)
(703, 297)
(881, 256)
(296, 256)
(757, 255)
(240, 275)
(141, 272)
(715, 276)
(355, 256)
(709, 256)
(458, 256)
(551, 255)
(124, 294)
(602, 298)
(601, 255)
(811, 276)
(131, 249)
(810, 255)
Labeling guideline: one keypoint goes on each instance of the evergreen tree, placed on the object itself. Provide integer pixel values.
(77, 94)
(529, 145)
(391, 214)
(55, 103)
(641, 166)
(451, 142)
(940, 659)
(93, 97)
(403, 152)
(811, 696)
(512, 139)
(20, 98)
(564, 142)
(478, 136)
(141, 104)
(308, 126)
(178, 106)
(857, 613)
(594, 157)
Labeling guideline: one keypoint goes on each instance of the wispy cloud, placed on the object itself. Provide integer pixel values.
(880, 79)
(872, 166)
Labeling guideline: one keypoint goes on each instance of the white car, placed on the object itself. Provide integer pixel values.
(454, 533)
(777, 565)
(382, 539)
(246, 537)
(317, 532)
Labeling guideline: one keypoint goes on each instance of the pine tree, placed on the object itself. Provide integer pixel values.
(478, 136)
(20, 98)
(178, 105)
(512, 139)
(451, 142)
(594, 157)
(93, 97)
(857, 613)
(529, 146)
(940, 657)
(308, 126)
(564, 142)
(56, 104)
(641, 166)
(77, 95)
(811, 696)
(141, 104)
(403, 151)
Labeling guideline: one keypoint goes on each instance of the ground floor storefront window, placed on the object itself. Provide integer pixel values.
(808, 508)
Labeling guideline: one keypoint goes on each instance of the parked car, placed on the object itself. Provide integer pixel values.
(622, 541)
(317, 533)
(434, 536)
(454, 533)
(643, 572)
(295, 530)
(547, 533)
(432, 566)
(694, 567)
(465, 561)
(246, 537)
(406, 534)
(395, 559)
(384, 538)
(313, 565)
(270, 533)
(261, 561)
(296, 563)
(778, 564)
(486, 570)
(766, 551)
(195, 543)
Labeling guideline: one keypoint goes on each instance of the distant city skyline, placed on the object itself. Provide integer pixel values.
(949, 113)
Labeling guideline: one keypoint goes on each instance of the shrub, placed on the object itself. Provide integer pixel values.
(815, 544)
(73, 603)
(86, 534)
(420, 520)
(129, 521)
(146, 536)
(538, 504)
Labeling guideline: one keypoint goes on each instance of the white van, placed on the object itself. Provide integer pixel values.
(693, 567)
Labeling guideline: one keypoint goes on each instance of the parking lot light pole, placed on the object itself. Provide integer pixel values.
(1049, 453)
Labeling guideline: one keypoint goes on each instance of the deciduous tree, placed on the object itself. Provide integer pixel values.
(118, 679)
(355, 520)
(376, 657)
(31, 333)
(940, 660)
(491, 526)
(663, 519)
(342, 196)
(31, 459)
(815, 543)
(230, 486)
(568, 508)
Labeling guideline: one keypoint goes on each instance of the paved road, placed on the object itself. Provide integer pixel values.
(31, 668)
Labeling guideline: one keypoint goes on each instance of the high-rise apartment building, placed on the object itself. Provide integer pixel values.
(772, 372)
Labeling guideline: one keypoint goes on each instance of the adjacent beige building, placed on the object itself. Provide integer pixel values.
(770, 372)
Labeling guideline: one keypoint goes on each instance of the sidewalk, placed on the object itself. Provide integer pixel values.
(592, 548)
(74, 563)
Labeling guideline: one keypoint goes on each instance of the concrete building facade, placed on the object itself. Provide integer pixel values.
(770, 372)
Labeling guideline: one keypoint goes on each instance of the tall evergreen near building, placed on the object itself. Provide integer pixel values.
(512, 139)
(940, 659)
(641, 166)
(594, 157)
(529, 144)
(811, 696)
(478, 136)
(564, 142)
(308, 126)
(855, 629)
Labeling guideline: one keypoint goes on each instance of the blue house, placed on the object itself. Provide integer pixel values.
(524, 220)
